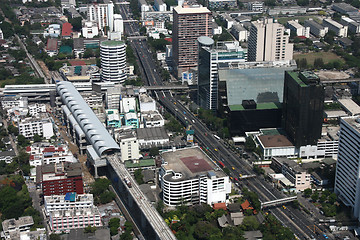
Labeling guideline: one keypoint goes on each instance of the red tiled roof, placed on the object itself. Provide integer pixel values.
(49, 149)
(246, 205)
(168, 39)
(31, 157)
(77, 63)
(66, 29)
(220, 206)
(28, 148)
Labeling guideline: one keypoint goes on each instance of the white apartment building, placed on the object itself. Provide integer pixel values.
(44, 153)
(268, 42)
(43, 127)
(159, 5)
(239, 32)
(14, 101)
(152, 119)
(1, 34)
(256, 6)
(113, 61)
(293, 172)
(300, 30)
(89, 29)
(315, 28)
(67, 202)
(129, 146)
(13, 228)
(353, 26)
(347, 180)
(147, 103)
(339, 29)
(113, 96)
(188, 176)
(103, 15)
(65, 220)
(36, 108)
(128, 104)
(118, 23)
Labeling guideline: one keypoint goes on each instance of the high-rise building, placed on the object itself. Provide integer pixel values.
(209, 58)
(103, 14)
(303, 107)
(347, 184)
(189, 24)
(113, 61)
(268, 41)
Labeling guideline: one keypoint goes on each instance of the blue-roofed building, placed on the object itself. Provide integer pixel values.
(131, 119)
(113, 119)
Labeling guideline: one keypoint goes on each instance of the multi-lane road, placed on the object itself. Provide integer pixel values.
(296, 220)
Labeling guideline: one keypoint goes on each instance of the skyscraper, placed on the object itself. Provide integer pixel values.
(113, 61)
(103, 15)
(303, 107)
(347, 184)
(209, 58)
(189, 24)
(268, 41)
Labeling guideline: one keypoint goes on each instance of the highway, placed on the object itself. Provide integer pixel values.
(296, 220)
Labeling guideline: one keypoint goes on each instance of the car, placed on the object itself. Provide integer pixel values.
(193, 121)
(215, 149)
(233, 168)
(236, 179)
(283, 207)
(240, 174)
(326, 237)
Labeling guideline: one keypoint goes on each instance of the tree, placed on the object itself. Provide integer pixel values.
(318, 63)
(22, 141)
(332, 198)
(307, 192)
(315, 196)
(107, 197)
(13, 130)
(54, 236)
(90, 229)
(154, 151)
(114, 224)
(76, 23)
(88, 53)
(99, 186)
(204, 230)
(37, 138)
(250, 223)
(250, 144)
(139, 176)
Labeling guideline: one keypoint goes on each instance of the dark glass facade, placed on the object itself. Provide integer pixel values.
(303, 107)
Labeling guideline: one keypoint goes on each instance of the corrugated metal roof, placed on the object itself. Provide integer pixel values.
(94, 130)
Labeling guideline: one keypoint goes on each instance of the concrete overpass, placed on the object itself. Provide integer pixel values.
(277, 202)
(103, 151)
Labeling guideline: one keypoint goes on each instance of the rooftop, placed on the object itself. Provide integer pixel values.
(350, 106)
(191, 10)
(189, 163)
(69, 197)
(275, 141)
(140, 163)
(11, 224)
(151, 133)
(112, 43)
(66, 29)
(52, 44)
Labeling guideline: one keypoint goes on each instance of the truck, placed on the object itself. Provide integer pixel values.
(127, 181)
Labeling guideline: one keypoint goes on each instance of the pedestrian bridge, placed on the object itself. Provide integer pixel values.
(277, 202)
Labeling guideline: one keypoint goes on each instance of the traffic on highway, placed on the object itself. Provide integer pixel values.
(299, 222)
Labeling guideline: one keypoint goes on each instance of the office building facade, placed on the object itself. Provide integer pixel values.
(209, 58)
(347, 184)
(189, 24)
(113, 61)
(303, 107)
(269, 42)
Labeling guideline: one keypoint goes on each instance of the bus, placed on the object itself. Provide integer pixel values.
(221, 164)
(217, 137)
